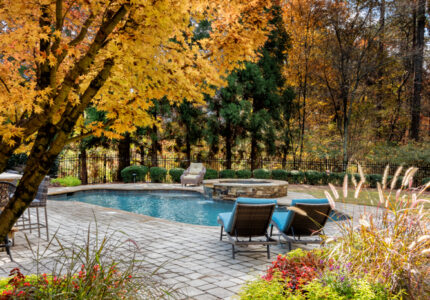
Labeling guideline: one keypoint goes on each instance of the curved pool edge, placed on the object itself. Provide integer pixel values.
(52, 191)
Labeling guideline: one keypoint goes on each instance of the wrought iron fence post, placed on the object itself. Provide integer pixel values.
(104, 167)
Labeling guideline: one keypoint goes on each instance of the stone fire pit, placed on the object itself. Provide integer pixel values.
(230, 189)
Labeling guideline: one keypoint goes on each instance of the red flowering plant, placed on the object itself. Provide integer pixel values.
(297, 268)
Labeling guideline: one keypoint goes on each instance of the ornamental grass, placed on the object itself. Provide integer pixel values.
(391, 246)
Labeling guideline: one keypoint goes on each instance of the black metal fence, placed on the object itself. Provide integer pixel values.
(104, 168)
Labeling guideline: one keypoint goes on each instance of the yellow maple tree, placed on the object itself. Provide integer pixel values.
(57, 57)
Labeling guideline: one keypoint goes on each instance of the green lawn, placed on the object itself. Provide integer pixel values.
(367, 196)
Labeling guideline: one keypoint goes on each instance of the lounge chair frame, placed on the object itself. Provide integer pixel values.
(6, 190)
(249, 221)
(311, 226)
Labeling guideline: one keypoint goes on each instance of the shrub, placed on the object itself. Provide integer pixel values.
(339, 285)
(67, 181)
(175, 174)
(261, 174)
(211, 174)
(295, 177)
(336, 178)
(425, 180)
(243, 174)
(315, 178)
(228, 173)
(139, 171)
(279, 174)
(373, 179)
(296, 269)
(157, 174)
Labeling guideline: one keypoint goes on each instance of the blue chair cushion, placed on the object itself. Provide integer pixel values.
(282, 219)
(224, 218)
(309, 201)
(227, 218)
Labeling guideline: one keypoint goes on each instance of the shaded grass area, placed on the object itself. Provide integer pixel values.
(367, 196)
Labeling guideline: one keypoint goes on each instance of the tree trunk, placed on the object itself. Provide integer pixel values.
(284, 157)
(228, 147)
(123, 154)
(142, 154)
(418, 60)
(83, 164)
(254, 150)
(188, 148)
(154, 147)
(380, 73)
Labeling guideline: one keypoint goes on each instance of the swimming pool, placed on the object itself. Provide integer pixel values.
(179, 206)
(185, 207)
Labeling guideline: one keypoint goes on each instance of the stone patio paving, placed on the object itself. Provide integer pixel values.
(192, 257)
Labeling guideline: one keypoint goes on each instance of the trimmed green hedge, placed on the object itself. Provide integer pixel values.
(261, 174)
(316, 178)
(244, 174)
(211, 174)
(228, 173)
(295, 177)
(157, 174)
(279, 175)
(140, 171)
(175, 174)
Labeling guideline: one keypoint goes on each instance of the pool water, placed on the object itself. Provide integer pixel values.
(184, 207)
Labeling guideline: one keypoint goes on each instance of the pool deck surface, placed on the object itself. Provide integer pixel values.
(188, 257)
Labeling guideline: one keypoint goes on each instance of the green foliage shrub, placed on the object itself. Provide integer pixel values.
(261, 174)
(425, 180)
(211, 174)
(157, 174)
(295, 177)
(336, 178)
(398, 181)
(316, 178)
(175, 174)
(228, 173)
(244, 174)
(67, 181)
(279, 174)
(373, 179)
(140, 171)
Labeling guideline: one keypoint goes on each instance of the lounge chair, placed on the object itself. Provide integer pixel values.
(7, 189)
(249, 219)
(293, 226)
(194, 174)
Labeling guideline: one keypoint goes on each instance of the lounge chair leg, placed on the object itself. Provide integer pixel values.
(289, 246)
(271, 230)
(7, 244)
(233, 251)
(268, 251)
(220, 237)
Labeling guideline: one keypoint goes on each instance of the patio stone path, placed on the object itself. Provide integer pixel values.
(191, 257)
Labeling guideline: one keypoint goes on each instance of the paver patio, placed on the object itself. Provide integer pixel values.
(192, 257)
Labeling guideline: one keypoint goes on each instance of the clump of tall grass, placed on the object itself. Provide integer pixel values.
(103, 266)
(391, 244)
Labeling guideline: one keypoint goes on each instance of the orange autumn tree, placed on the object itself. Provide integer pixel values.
(58, 57)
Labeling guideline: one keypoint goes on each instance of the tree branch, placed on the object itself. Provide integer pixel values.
(82, 136)
(5, 85)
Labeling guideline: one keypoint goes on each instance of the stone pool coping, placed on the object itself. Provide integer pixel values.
(283, 201)
(124, 187)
